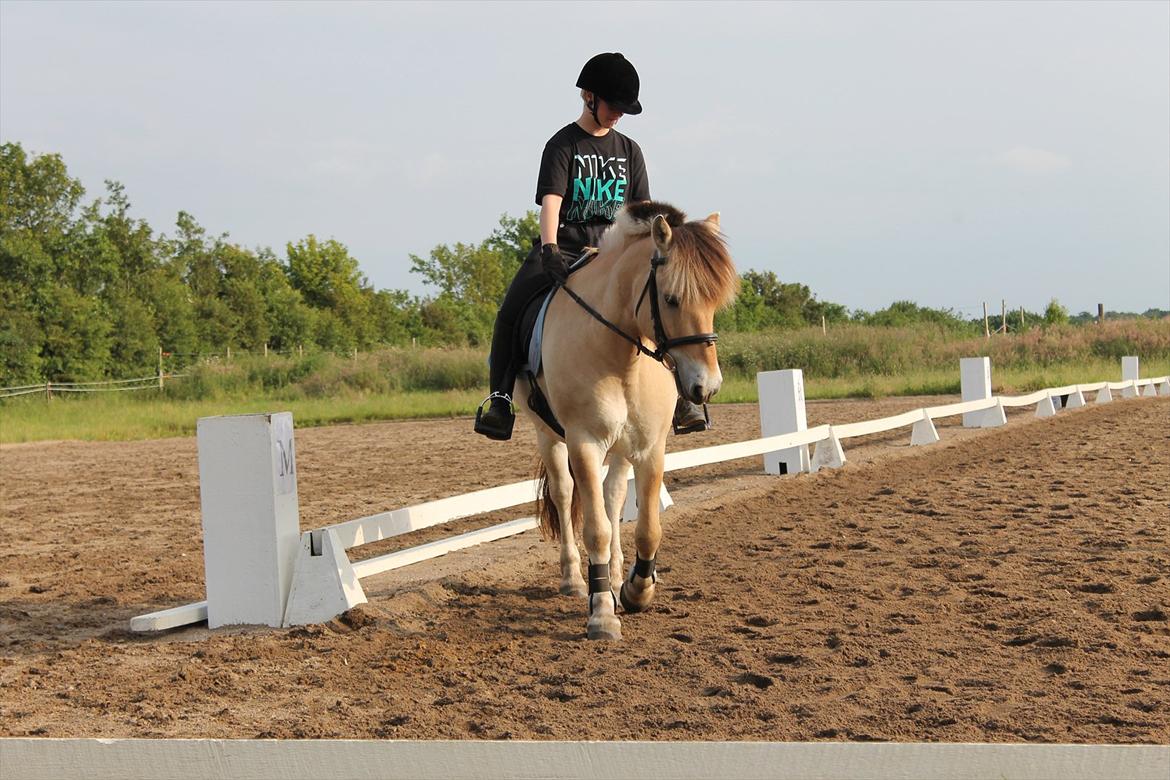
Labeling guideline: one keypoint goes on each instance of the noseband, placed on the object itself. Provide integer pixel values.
(663, 343)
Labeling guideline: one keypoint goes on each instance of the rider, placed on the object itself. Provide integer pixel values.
(587, 172)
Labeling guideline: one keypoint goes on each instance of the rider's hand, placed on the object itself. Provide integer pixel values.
(554, 263)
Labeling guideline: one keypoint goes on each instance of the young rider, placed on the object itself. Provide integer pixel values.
(587, 172)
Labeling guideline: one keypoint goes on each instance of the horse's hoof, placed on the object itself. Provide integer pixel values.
(574, 589)
(630, 604)
(604, 628)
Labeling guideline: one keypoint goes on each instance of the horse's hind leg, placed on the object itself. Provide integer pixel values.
(560, 483)
(637, 590)
(615, 500)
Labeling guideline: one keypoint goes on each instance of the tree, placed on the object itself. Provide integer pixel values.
(1055, 314)
(329, 280)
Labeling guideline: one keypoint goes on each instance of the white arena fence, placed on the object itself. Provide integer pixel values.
(261, 569)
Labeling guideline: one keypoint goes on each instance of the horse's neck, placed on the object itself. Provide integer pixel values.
(610, 284)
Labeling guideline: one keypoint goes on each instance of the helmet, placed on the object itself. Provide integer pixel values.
(612, 78)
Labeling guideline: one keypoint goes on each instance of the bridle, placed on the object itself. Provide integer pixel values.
(663, 342)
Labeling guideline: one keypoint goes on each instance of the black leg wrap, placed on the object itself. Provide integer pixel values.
(598, 578)
(643, 568)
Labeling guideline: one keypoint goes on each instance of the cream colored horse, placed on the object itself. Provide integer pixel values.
(615, 403)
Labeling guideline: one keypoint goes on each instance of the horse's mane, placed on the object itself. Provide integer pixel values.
(700, 268)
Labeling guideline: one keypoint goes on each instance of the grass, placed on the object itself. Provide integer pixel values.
(850, 362)
(122, 419)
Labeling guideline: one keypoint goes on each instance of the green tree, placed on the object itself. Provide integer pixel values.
(329, 280)
(1055, 314)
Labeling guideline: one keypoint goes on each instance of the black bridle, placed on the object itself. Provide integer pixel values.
(663, 343)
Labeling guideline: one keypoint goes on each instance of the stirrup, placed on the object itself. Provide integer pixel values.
(495, 394)
(498, 430)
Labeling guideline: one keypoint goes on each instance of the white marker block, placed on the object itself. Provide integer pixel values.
(923, 431)
(828, 454)
(975, 383)
(630, 510)
(993, 417)
(1130, 390)
(1104, 395)
(1075, 400)
(1129, 368)
(1046, 408)
(1164, 388)
(251, 525)
(324, 584)
(1150, 391)
(782, 411)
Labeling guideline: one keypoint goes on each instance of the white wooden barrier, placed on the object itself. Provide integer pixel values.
(975, 385)
(260, 569)
(356, 759)
(781, 395)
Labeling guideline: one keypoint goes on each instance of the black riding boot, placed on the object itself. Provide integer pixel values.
(497, 421)
(689, 417)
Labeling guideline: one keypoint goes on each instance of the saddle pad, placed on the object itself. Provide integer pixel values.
(534, 341)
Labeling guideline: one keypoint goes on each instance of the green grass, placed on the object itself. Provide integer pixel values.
(122, 419)
(850, 362)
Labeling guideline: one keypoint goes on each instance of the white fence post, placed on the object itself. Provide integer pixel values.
(923, 431)
(1129, 368)
(782, 411)
(251, 522)
(975, 383)
(1076, 399)
(1047, 407)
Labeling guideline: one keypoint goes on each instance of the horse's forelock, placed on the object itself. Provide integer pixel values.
(700, 268)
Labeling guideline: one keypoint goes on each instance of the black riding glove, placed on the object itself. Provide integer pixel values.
(554, 263)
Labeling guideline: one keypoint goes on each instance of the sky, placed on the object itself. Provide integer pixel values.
(945, 153)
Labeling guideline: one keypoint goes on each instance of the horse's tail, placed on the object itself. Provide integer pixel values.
(546, 508)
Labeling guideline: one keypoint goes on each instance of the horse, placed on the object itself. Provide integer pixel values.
(654, 274)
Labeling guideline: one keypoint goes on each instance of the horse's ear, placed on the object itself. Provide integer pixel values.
(713, 218)
(660, 230)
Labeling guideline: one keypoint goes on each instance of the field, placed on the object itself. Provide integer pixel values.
(1006, 585)
(851, 361)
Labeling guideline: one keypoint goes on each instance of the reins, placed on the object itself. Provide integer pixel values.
(662, 341)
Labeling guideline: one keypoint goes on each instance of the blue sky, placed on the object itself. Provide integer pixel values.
(946, 153)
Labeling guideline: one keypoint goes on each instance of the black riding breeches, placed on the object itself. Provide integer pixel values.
(530, 281)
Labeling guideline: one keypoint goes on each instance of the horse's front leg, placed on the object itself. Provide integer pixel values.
(637, 590)
(560, 486)
(616, 481)
(586, 457)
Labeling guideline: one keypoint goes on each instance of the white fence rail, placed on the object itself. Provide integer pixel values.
(155, 382)
(311, 579)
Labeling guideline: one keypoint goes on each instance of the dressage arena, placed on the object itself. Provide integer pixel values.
(1003, 585)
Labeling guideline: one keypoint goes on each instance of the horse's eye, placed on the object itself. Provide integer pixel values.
(670, 300)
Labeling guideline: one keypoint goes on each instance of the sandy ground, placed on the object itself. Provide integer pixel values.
(1005, 585)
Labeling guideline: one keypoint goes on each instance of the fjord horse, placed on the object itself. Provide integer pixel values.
(607, 373)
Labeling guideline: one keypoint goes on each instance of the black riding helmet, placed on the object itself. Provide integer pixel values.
(611, 77)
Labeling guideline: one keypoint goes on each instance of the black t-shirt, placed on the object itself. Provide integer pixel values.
(595, 176)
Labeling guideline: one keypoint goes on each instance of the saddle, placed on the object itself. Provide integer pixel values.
(529, 336)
